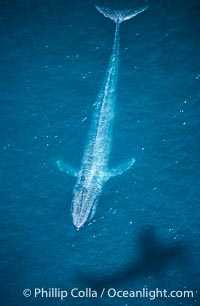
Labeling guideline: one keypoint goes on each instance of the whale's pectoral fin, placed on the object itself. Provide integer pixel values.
(122, 168)
(67, 168)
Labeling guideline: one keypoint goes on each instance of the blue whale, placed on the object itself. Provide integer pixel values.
(94, 171)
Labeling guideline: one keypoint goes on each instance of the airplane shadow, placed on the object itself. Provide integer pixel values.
(154, 258)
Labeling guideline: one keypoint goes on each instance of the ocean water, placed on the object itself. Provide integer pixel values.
(145, 233)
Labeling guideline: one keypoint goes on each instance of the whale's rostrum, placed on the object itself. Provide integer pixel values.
(94, 171)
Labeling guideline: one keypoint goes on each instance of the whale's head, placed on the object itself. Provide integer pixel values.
(84, 202)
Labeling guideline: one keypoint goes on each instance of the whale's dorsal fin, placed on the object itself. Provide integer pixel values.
(119, 16)
(121, 168)
(67, 168)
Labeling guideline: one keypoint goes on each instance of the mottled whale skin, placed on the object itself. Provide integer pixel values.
(94, 171)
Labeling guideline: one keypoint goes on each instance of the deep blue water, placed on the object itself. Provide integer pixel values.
(53, 58)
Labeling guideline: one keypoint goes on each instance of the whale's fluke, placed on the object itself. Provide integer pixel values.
(119, 16)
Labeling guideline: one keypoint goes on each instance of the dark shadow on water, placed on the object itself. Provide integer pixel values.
(154, 259)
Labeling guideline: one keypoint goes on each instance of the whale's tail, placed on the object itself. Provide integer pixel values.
(119, 16)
